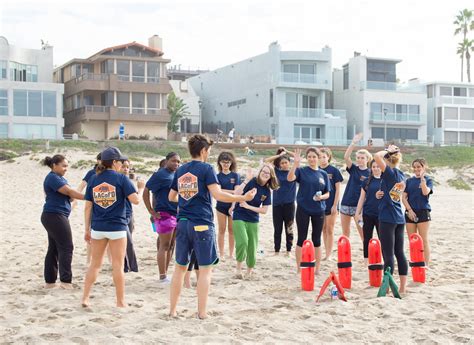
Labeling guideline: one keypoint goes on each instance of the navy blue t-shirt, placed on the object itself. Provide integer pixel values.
(89, 174)
(191, 181)
(371, 203)
(416, 199)
(334, 176)
(160, 184)
(352, 191)
(228, 182)
(56, 202)
(312, 181)
(286, 194)
(263, 197)
(107, 192)
(390, 208)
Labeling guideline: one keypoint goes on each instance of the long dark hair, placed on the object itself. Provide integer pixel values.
(277, 161)
(104, 165)
(371, 176)
(50, 161)
(227, 156)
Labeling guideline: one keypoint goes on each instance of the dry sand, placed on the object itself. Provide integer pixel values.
(270, 309)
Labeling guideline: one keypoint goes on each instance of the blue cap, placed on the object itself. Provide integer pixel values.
(112, 154)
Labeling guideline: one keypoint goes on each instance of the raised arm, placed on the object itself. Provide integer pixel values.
(379, 156)
(425, 190)
(296, 164)
(350, 148)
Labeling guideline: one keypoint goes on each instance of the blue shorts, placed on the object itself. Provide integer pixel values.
(200, 238)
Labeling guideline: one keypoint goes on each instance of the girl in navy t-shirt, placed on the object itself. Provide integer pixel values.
(391, 217)
(367, 211)
(106, 220)
(416, 200)
(358, 173)
(283, 203)
(55, 219)
(229, 180)
(332, 204)
(313, 191)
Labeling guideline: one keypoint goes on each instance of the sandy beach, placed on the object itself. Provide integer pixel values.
(268, 309)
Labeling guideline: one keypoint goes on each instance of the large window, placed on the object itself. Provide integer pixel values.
(34, 103)
(466, 114)
(123, 99)
(138, 71)
(401, 108)
(413, 109)
(107, 67)
(466, 137)
(451, 137)
(429, 91)
(26, 131)
(3, 130)
(460, 91)
(383, 71)
(445, 91)
(395, 133)
(3, 102)
(153, 100)
(123, 67)
(3, 69)
(306, 133)
(450, 113)
(439, 113)
(21, 72)
(153, 72)
(290, 68)
(308, 68)
(291, 100)
(345, 77)
(138, 102)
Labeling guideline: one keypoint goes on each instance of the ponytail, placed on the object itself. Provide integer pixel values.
(51, 161)
(103, 165)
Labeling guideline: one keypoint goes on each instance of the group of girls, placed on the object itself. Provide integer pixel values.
(181, 211)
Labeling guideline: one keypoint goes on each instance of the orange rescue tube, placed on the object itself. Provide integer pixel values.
(344, 263)
(307, 266)
(417, 258)
(375, 263)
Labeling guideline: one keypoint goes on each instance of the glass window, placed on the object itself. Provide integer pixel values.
(450, 113)
(439, 122)
(138, 100)
(34, 103)
(429, 91)
(445, 91)
(123, 99)
(153, 100)
(3, 102)
(138, 70)
(451, 137)
(290, 68)
(384, 71)
(414, 109)
(377, 132)
(471, 92)
(3, 130)
(49, 104)
(271, 103)
(3, 69)
(107, 67)
(460, 91)
(131, 52)
(20, 103)
(401, 108)
(376, 108)
(466, 114)
(291, 100)
(153, 71)
(309, 102)
(123, 67)
(345, 81)
(107, 99)
(390, 107)
(87, 68)
(466, 137)
(308, 69)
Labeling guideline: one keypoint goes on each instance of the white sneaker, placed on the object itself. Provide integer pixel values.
(165, 281)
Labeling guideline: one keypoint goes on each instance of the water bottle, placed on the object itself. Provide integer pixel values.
(415, 219)
(360, 222)
(334, 293)
(261, 252)
(318, 194)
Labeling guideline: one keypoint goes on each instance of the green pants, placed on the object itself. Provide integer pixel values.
(246, 241)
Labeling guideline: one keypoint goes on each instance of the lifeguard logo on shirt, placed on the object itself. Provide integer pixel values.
(396, 191)
(321, 181)
(104, 195)
(362, 178)
(232, 180)
(188, 186)
(330, 176)
(263, 197)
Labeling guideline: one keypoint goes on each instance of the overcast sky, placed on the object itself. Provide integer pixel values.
(208, 34)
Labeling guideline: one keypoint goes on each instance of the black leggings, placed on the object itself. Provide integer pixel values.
(283, 214)
(302, 222)
(368, 228)
(60, 248)
(391, 238)
(130, 264)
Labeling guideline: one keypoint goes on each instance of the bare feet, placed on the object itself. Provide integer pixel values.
(238, 275)
(66, 286)
(50, 285)
(202, 316)
(187, 284)
(288, 254)
(85, 302)
(121, 304)
(277, 253)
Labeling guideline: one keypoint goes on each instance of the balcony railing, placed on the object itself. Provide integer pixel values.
(92, 76)
(458, 124)
(138, 79)
(141, 111)
(304, 78)
(456, 100)
(378, 116)
(386, 86)
(315, 113)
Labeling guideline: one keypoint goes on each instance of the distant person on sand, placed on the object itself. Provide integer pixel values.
(192, 187)
(231, 135)
(121, 131)
(106, 220)
(56, 211)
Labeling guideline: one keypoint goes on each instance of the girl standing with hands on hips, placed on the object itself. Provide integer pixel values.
(313, 191)
(416, 200)
(55, 219)
(246, 215)
(391, 216)
(358, 173)
(106, 220)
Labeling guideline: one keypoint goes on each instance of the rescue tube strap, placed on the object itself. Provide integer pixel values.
(308, 264)
(344, 264)
(417, 264)
(375, 267)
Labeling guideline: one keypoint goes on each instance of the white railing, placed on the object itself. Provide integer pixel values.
(304, 78)
(456, 100)
(380, 116)
(458, 124)
(314, 113)
(387, 86)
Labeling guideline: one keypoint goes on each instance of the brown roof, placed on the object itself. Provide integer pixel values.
(131, 44)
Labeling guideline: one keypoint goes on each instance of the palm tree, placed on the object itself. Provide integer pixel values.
(464, 23)
(177, 110)
(468, 47)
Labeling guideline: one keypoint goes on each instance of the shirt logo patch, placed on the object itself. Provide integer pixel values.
(330, 176)
(232, 180)
(104, 195)
(396, 191)
(362, 178)
(263, 197)
(321, 181)
(188, 186)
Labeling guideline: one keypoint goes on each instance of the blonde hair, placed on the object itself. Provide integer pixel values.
(366, 154)
(327, 152)
(395, 158)
(273, 182)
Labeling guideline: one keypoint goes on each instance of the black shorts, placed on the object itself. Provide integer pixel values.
(223, 210)
(423, 216)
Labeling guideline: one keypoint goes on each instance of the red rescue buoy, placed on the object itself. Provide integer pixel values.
(344, 263)
(307, 266)
(417, 258)
(375, 263)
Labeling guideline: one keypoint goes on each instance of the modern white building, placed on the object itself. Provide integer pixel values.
(31, 104)
(278, 94)
(376, 104)
(450, 112)
(191, 122)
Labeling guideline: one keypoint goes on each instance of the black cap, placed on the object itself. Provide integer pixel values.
(112, 153)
